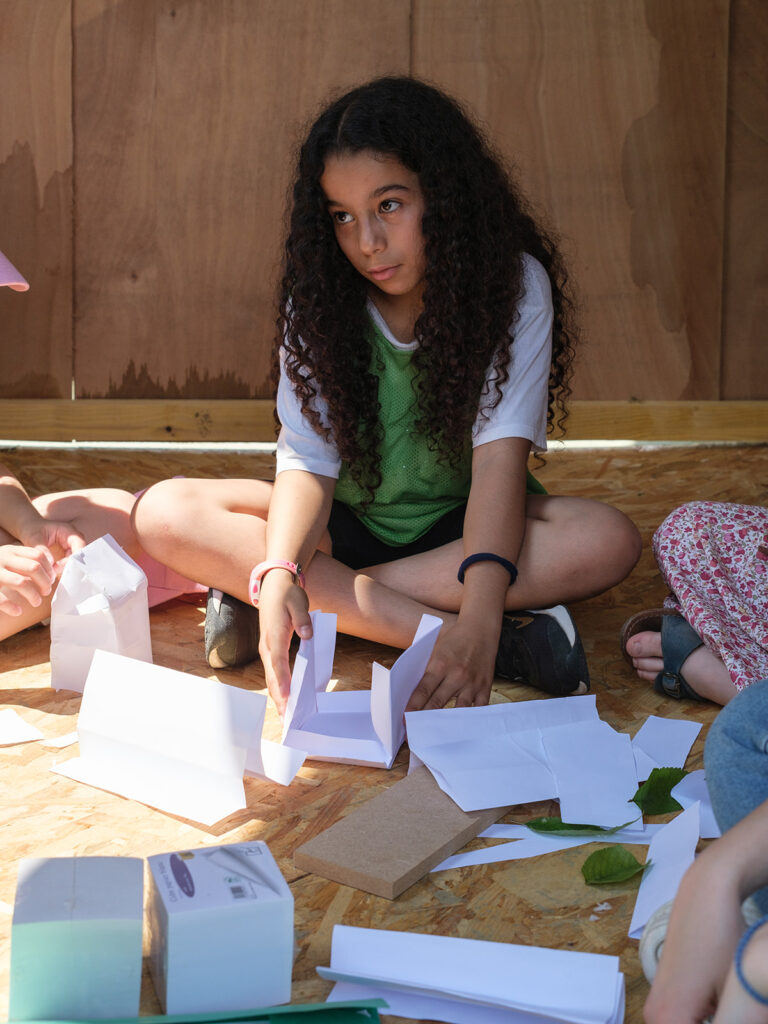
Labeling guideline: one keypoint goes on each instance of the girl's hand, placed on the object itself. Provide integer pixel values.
(26, 574)
(461, 668)
(703, 932)
(61, 538)
(283, 611)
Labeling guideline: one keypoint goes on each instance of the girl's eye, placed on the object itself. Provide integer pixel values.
(389, 205)
(340, 217)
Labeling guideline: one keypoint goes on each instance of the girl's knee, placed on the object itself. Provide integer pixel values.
(619, 539)
(160, 507)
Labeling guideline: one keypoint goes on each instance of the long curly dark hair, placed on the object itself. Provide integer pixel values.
(476, 227)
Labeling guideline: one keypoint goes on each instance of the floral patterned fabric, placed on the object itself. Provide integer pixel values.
(714, 558)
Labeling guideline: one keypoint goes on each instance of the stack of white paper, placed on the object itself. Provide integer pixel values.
(467, 981)
(663, 743)
(358, 727)
(221, 926)
(169, 739)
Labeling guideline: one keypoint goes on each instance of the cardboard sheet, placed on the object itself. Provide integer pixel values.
(395, 839)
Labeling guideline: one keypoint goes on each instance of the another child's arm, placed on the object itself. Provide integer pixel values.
(462, 665)
(28, 559)
(706, 925)
(298, 516)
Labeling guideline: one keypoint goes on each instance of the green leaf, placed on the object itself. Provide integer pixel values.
(612, 864)
(558, 827)
(654, 797)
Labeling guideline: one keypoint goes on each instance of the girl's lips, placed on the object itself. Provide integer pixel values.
(382, 273)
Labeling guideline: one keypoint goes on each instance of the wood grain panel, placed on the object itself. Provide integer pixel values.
(615, 113)
(745, 313)
(541, 901)
(36, 197)
(186, 114)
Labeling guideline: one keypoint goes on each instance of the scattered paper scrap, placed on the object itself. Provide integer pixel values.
(672, 850)
(664, 742)
(692, 789)
(534, 845)
(59, 742)
(13, 729)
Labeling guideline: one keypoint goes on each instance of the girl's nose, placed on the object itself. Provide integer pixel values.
(372, 236)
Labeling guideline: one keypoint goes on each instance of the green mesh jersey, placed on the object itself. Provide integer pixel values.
(416, 489)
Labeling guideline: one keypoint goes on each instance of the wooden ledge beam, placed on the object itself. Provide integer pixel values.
(251, 420)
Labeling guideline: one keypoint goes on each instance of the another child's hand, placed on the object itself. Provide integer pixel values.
(283, 611)
(26, 574)
(61, 538)
(461, 669)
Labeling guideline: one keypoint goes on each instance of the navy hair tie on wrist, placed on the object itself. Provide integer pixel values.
(758, 996)
(488, 556)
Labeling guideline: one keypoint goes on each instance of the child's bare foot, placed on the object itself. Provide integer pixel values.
(702, 670)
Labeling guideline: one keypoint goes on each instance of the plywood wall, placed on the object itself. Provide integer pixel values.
(146, 145)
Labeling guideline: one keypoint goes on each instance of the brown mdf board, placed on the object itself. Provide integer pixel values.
(36, 197)
(186, 119)
(745, 312)
(395, 839)
(615, 114)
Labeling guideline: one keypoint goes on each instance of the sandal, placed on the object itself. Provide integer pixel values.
(678, 641)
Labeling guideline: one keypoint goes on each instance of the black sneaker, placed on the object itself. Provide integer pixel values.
(543, 648)
(231, 631)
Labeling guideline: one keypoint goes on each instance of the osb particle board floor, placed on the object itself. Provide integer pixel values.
(542, 901)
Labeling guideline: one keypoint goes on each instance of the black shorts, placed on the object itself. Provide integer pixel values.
(355, 545)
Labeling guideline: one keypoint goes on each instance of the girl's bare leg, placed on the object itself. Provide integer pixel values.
(94, 513)
(213, 531)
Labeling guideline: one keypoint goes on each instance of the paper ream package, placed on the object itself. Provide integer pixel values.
(221, 926)
(76, 938)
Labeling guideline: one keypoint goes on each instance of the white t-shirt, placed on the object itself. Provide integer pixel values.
(521, 411)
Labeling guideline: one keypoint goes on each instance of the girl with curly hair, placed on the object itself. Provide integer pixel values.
(424, 349)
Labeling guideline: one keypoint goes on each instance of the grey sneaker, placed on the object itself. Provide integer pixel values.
(231, 631)
(543, 648)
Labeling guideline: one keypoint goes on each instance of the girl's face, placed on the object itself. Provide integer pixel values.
(376, 205)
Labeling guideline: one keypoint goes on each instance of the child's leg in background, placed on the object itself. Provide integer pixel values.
(736, 761)
(714, 558)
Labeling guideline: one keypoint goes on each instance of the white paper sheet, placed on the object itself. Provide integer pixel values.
(595, 771)
(493, 756)
(360, 727)
(13, 729)
(59, 742)
(535, 845)
(274, 761)
(693, 789)
(100, 602)
(666, 742)
(671, 853)
(168, 739)
(462, 979)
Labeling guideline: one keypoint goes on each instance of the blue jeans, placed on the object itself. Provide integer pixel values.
(736, 761)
